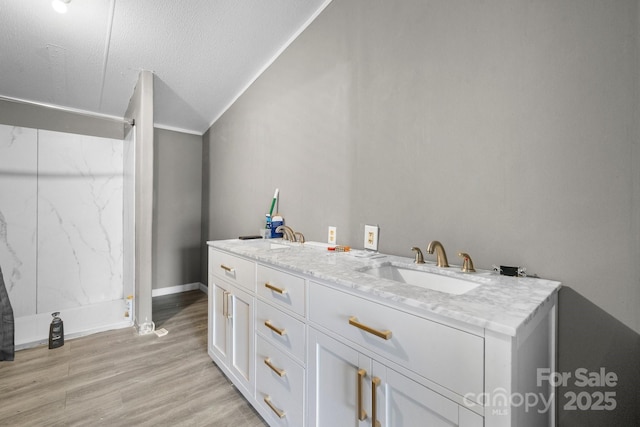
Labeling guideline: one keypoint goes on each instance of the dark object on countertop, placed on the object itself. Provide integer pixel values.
(56, 331)
(7, 326)
(509, 271)
(253, 236)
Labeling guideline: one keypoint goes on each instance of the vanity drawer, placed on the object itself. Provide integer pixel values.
(281, 329)
(447, 356)
(281, 288)
(280, 381)
(232, 269)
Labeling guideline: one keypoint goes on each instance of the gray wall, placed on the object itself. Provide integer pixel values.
(178, 204)
(504, 129)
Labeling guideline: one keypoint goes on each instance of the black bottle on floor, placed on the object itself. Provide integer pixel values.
(56, 331)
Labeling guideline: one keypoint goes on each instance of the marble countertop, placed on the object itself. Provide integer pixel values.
(502, 304)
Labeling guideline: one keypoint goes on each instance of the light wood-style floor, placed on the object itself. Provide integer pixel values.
(118, 378)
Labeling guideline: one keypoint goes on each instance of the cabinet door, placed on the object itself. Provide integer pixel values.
(378, 397)
(402, 402)
(240, 313)
(219, 297)
(231, 337)
(333, 382)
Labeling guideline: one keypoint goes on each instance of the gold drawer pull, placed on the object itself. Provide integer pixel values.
(280, 372)
(278, 331)
(374, 405)
(278, 412)
(225, 304)
(275, 288)
(353, 321)
(362, 414)
(227, 269)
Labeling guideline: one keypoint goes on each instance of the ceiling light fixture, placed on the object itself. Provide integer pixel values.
(60, 6)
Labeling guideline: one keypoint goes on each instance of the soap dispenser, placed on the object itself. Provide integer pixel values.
(56, 331)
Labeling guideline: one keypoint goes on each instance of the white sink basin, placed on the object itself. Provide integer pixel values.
(278, 246)
(423, 279)
(267, 244)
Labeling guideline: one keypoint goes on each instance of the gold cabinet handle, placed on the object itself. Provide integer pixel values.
(227, 269)
(278, 331)
(280, 372)
(375, 381)
(362, 414)
(275, 288)
(225, 304)
(353, 321)
(229, 306)
(277, 411)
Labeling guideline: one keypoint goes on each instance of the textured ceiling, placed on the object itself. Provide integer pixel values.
(204, 53)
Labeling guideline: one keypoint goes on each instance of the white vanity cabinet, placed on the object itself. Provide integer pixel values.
(354, 380)
(311, 341)
(231, 317)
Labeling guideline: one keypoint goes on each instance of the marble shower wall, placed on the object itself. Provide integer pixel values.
(80, 220)
(18, 218)
(61, 219)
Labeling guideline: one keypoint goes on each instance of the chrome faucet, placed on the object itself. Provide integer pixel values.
(441, 255)
(299, 237)
(419, 257)
(288, 233)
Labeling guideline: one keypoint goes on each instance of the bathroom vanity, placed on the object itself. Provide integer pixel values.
(318, 338)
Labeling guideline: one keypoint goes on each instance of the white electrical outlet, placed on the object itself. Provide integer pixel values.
(371, 237)
(332, 236)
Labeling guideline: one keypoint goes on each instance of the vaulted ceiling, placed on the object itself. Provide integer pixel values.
(203, 53)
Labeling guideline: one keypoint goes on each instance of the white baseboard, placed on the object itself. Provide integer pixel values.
(67, 337)
(178, 289)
